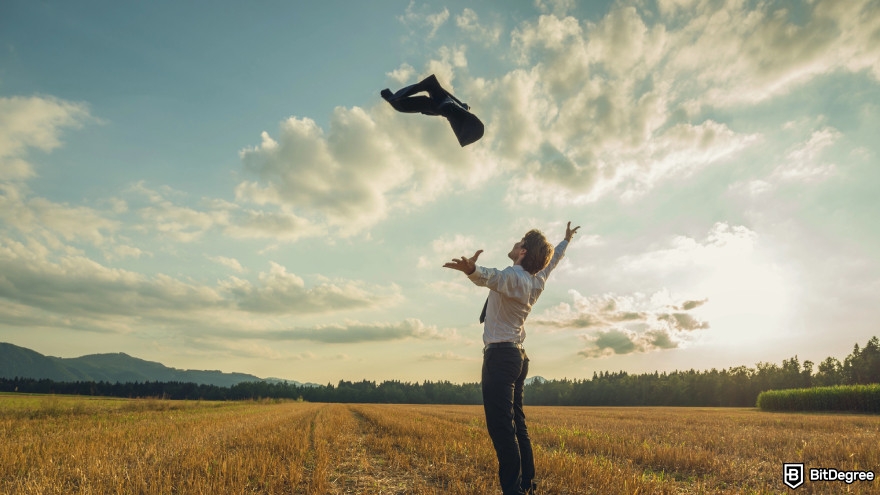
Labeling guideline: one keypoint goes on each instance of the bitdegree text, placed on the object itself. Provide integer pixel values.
(831, 474)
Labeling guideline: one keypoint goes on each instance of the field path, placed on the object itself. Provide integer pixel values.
(361, 466)
(359, 449)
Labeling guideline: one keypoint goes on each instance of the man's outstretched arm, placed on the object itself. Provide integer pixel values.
(498, 280)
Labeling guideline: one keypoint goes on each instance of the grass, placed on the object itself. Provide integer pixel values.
(75, 445)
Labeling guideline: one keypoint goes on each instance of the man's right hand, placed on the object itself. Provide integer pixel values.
(465, 265)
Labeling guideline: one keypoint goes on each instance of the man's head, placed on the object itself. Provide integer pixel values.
(533, 252)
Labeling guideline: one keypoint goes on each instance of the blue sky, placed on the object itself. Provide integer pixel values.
(220, 186)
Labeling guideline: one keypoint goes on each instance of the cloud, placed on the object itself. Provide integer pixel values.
(803, 164)
(15, 314)
(689, 305)
(556, 7)
(468, 22)
(724, 245)
(618, 324)
(173, 221)
(459, 289)
(446, 248)
(228, 262)
(618, 106)
(622, 341)
(72, 284)
(594, 111)
(274, 225)
(742, 283)
(67, 289)
(364, 166)
(280, 292)
(189, 224)
(33, 123)
(357, 332)
(444, 356)
(122, 251)
(752, 188)
(418, 22)
(739, 52)
(36, 123)
(402, 74)
(58, 221)
(682, 321)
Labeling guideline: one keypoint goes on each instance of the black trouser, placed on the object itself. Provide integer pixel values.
(504, 374)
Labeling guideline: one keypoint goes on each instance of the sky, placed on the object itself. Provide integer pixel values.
(219, 185)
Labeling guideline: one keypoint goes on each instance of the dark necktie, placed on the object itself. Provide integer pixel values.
(483, 314)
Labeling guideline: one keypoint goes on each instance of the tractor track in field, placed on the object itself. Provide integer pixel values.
(365, 468)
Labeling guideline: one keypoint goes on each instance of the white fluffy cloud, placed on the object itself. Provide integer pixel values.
(618, 106)
(803, 163)
(557, 7)
(280, 292)
(72, 284)
(446, 248)
(596, 109)
(231, 263)
(55, 221)
(37, 123)
(365, 165)
(423, 23)
(469, 22)
(724, 245)
(617, 324)
(747, 54)
(163, 215)
(33, 123)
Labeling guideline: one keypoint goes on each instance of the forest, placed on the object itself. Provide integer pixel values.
(732, 387)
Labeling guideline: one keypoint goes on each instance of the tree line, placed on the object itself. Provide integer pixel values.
(737, 386)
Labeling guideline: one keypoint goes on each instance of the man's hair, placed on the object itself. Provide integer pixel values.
(538, 251)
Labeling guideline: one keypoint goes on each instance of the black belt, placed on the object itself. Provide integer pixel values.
(503, 345)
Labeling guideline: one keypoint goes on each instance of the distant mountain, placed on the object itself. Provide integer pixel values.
(21, 362)
(532, 379)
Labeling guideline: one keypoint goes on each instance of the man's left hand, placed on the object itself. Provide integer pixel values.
(466, 265)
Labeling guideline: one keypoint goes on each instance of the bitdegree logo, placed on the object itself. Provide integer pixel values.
(793, 475)
(848, 477)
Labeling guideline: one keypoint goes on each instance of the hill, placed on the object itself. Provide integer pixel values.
(21, 362)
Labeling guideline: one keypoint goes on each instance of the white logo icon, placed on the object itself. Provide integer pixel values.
(793, 475)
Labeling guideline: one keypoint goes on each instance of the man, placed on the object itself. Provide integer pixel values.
(513, 292)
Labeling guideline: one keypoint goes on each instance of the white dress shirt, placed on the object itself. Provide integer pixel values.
(513, 292)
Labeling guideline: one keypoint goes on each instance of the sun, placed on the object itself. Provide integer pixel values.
(750, 299)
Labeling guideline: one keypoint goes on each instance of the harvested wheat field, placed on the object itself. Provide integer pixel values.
(66, 445)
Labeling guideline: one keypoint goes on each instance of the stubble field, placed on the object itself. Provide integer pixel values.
(75, 445)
